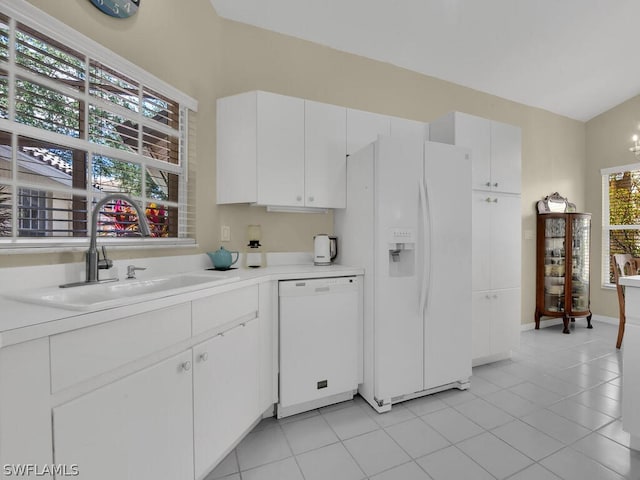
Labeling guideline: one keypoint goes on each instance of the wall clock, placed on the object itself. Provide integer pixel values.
(117, 8)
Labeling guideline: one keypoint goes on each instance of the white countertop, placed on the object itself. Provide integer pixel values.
(20, 321)
(630, 281)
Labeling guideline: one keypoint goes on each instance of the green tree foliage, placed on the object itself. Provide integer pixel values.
(41, 106)
(624, 209)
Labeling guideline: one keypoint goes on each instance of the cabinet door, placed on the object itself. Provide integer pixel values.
(505, 320)
(475, 133)
(25, 408)
(225, 392)
(506, 158)
(236, 148)
(631, 376)
(138, 428)
(506, 226)
(325, 135)
(481, 324)
(481, 240)
(280, 147)
(363, 128)
(405, 128)
(267, 318)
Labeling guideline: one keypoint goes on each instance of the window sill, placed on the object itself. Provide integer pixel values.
(81, 245)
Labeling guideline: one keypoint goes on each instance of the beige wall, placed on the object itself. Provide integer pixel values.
(208, 57)
(608, 142)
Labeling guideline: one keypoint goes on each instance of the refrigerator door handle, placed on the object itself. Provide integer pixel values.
(426, 280)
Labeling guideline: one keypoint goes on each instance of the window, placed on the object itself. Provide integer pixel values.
(32, 217)
(620, 215)
(78, 122)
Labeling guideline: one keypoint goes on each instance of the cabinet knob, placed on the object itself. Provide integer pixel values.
(495, 200)
(299, 198)
(488, 184)
(311, 199)
(488, 297)
(495, 184)
(186, 366)
(488, 199)
(204, 357)
(495, 296)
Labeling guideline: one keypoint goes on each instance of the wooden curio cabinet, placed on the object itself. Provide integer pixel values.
(562, 267)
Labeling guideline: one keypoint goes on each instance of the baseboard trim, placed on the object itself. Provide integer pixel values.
(558, 321)
(605, 319)
(543, 324)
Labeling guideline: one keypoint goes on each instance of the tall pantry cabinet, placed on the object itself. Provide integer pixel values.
(496, 229)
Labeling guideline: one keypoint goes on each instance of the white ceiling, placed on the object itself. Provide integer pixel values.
(571, 57)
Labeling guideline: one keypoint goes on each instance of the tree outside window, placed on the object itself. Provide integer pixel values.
(102, 132)
(623, 229)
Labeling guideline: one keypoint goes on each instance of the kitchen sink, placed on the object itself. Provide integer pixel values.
(115, 294)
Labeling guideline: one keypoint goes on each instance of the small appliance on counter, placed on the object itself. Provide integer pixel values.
(325, 249)
(254, 255)
(222, 259)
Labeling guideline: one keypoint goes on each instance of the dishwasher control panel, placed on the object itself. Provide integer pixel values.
(317, 285)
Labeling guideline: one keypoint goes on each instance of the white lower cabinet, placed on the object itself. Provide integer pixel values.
(494, 324)
(137, 428)
(225, 392)
(166, 402)
(25, 408)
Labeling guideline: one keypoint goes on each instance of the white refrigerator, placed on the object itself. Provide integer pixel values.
(408, 223)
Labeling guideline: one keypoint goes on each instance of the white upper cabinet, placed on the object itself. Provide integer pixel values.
(506, 157)
(495, 147)
(405, 128)
(280, 151)
(325, 166)
(260, 149)
(363, 128)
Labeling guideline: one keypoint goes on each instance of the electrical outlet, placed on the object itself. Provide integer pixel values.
(225, 233)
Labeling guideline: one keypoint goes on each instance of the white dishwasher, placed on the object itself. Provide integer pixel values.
(320, 342)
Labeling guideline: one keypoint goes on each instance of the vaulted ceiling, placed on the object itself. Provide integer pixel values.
(572, 57)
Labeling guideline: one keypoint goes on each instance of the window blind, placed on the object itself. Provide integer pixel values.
(74, 127)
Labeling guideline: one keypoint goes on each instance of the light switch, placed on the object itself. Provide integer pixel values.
(225, 233)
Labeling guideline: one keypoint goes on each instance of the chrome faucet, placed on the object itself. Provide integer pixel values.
(93, 263)
(92, 254)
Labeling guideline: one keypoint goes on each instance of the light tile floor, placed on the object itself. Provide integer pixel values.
(551, 412)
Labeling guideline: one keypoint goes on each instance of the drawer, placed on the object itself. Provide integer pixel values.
(87, 352)
(211, 312)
